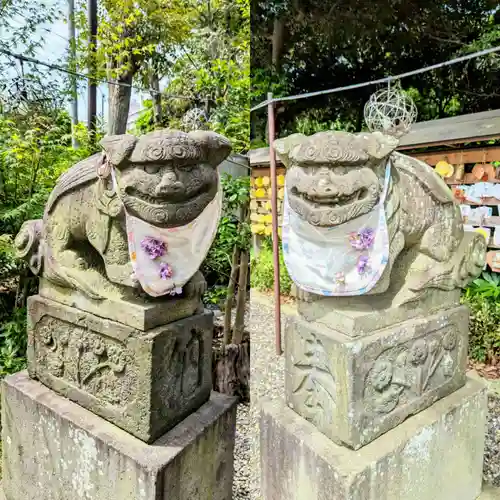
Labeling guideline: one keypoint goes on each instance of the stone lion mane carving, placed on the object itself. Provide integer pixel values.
(166, 178)
(334, 177)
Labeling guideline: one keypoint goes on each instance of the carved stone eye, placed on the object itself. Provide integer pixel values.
(151, 169)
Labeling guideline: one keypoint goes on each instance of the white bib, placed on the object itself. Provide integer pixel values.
(165, 259)
(343, 260)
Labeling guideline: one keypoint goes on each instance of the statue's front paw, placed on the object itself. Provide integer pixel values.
(122, 275)
(196, 287)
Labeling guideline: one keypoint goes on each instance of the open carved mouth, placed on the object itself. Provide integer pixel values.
(339, 199)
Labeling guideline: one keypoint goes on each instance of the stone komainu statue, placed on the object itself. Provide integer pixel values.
(335, 179)
(165, 178)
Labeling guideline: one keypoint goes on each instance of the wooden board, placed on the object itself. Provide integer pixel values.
(473, 155)
(262, 171)
(260, 157)
(466, 128)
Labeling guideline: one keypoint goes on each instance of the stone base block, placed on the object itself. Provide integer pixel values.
(362, 315)
(435, 455)
(142, 313)
(355, 389)
(55, 450)
(143, 382)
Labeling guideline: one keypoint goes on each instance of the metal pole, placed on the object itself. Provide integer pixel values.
(72, 59)
(274, 208)
(92, 87)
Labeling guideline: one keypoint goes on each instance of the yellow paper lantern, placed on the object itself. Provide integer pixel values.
(258, 182)
(268, 218)
(267, 206)
(444, 169)
(482, 231)
(257, 228)
(268, 230)
(266, 181)
(281, 193)
(260, 193)
(281, 180)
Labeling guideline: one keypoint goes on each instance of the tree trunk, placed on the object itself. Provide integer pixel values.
(229, 297)
(154, 82)
(239, 322)
(278, 42)
(231, 370)
(119, 104)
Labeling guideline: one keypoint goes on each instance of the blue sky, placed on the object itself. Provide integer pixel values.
(54, 48)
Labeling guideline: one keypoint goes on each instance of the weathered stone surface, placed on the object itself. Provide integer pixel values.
(437, 454)
(165, 178)
(363, 315)
(141, 313)
(143, 382)
(488, 493)
(56, 450)
(355, 389)
(335, 177)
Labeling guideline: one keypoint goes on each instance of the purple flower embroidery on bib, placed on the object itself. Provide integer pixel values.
(362, 240)
(165, 271)
(362, 265)
(153, 247)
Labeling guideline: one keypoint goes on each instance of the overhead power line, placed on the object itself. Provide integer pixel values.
(56, 67)
(380, 80)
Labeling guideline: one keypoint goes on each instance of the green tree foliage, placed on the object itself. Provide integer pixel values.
(35, 148)
(313, 45)
(23, 29)
(136, 43)
(232, 231)
(213, 70)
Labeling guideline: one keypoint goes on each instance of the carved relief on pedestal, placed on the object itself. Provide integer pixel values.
(404, 373)
(87, 360)
(186, 362)
(314, 388)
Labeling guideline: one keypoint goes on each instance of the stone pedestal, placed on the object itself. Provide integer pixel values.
(53, 449)
(144, 382)
(353, 389)
(141, 313)
(436, 454)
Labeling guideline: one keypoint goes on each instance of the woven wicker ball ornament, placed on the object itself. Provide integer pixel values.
(195, 119)
(390, 111)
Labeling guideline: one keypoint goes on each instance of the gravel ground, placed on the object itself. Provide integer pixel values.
(267, 380)
(241, 485)
(492, 453)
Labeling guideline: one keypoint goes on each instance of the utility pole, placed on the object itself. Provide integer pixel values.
(72, 59)
(92, 87)
(103, 103)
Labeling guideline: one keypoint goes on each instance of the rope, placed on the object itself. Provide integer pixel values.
(380, 80)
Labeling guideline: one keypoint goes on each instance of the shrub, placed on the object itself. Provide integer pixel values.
(233, 229)
(35, 148)
(262, 270)
(484, 338)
